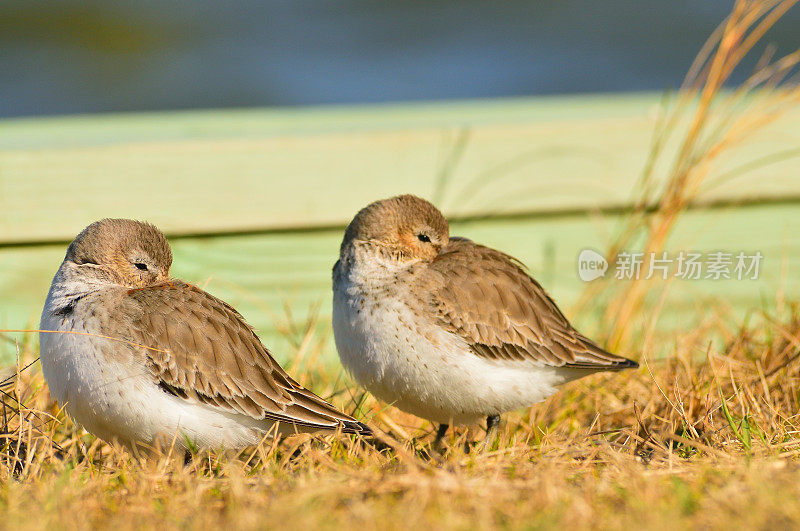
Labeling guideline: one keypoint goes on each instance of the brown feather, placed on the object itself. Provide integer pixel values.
(202, 349)
(487, 298)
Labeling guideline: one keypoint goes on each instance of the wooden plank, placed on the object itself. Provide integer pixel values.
(94, 130)
(262, 274)
(261, 169)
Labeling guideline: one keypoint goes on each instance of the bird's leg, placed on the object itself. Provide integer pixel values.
(441, 431)
(492, 421)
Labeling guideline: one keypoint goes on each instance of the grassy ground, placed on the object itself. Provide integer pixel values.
(708, 437)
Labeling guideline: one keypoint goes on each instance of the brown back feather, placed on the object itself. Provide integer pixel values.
(202, 349)
(487, 298)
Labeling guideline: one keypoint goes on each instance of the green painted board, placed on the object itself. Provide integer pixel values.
(228, 171)
(218, 171)
(262, 274)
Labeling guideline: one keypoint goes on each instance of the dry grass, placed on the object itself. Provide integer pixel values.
(680, 442)
(697, 129)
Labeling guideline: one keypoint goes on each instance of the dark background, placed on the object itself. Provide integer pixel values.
(72, 56)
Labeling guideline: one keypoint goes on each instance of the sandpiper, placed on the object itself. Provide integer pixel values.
(139, 357)
(444, 328)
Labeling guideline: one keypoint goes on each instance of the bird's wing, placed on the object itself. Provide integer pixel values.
(201, 349)
(488, 299)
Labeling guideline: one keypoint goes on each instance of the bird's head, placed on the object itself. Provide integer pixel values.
(121, 251)
(405, 227)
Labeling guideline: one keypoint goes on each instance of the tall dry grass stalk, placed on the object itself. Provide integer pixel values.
(706, 122)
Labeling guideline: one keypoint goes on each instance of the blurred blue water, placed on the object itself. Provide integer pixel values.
(73, 56)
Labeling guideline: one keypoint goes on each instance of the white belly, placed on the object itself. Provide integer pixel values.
(428, 371)
(119, 400)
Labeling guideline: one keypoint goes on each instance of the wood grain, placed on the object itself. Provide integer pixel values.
(265, 169)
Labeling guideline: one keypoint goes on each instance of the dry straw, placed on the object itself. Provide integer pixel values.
(705, 122)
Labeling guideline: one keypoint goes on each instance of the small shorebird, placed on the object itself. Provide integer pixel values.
(444, 328)
(142, 358)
